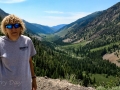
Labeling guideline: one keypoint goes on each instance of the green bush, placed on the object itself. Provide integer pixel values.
(103, 88)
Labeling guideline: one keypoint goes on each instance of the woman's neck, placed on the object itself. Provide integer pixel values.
(13, 38)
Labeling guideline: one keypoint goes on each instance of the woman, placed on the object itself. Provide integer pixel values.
(16, 51)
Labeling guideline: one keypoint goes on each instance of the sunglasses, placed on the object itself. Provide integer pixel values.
(10, 26)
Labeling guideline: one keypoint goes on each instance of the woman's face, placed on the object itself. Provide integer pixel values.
(13, 31)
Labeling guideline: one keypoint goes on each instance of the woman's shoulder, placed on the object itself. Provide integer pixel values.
(2, 38)
(25, 37)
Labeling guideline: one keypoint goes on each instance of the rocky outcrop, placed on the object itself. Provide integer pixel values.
(45, 83)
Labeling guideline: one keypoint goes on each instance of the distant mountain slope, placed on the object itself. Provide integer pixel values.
(82, 22)
(56, 28)
(102, 25)
(46, 29)
(32, 28)
(2, 13)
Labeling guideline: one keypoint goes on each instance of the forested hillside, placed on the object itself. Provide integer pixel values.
(87, 70)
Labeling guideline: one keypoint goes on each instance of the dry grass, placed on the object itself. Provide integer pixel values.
(112, 58)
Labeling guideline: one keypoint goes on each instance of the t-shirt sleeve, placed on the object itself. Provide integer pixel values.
(32, 49)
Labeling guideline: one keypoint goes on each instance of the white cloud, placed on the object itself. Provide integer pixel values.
(11, 1)
(54, 19)
(65, 15)
(64, 19)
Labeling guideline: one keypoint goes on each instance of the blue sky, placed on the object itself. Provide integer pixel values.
(54, 12)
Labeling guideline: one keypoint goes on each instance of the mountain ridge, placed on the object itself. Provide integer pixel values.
(95, 28)
(82, 22)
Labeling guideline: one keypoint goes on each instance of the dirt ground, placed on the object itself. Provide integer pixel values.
(112, 58)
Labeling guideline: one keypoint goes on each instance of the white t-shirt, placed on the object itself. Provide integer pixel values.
(15, 71)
